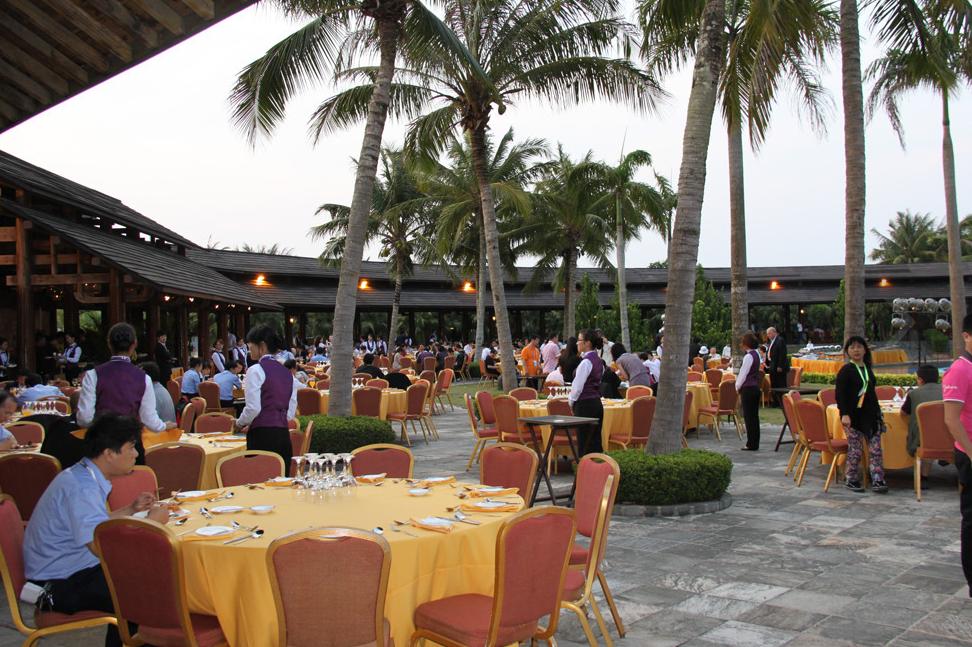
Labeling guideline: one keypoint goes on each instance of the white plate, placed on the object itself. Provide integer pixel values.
(214, 531)
(141, 515)
(373, 477)
(492, 489)
(226, 509)
(280, 479)
(418, 491)
(436, 479)
(190, 494)
(486, 505)
(261, 509)
(435, 521)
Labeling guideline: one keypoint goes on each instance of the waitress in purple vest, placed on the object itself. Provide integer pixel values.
(120, 387)
(585, 390)
(271, 395)
(747, 384)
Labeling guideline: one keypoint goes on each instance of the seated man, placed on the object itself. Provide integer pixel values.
(36, 389)
(227, 381)
(490, 363)
(58, 542)
(929, 390)
(369, 367)
(8, 406)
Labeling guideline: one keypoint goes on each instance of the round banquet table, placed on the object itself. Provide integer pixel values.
(392, 401)
(701, 398)
(894, 443)
(216, 447)
(232, 583)
(617, 418)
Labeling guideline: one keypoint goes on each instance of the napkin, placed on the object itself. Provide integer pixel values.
(371, 478)
(279, 482)
(431, 483)
(192, 536)
(202, 497)
(474, 493)
(472, 507)
(418, 523)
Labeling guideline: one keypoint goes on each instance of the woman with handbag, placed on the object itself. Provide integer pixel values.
(860, 414)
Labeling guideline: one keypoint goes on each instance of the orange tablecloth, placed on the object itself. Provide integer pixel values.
(617, 417)
(392, 401)
(894, 443)
(832, 366)
(232, 582)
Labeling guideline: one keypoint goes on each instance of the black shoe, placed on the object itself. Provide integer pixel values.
(879, 487)
(749, 449)
(854, 486)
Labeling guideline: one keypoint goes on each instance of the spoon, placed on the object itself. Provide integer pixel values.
(459, 516)
(378, 530)
(204, 512)
(238, 526)
(181, 522)
(253, 535)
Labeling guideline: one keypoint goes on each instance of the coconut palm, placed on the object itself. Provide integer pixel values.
(276, 249)
(710, 58)
(911, 238)
(334, 31)
(940, 59)
(636, 206)
(768, 43)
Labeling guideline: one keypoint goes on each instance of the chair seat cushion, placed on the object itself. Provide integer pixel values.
(44, 619)
(714, 410)
(206, 628)
(465, 619)
(488, 432)
(574, 584)
(840, 444)
(936, 454)
(578, 555)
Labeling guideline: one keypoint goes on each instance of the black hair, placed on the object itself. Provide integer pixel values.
(927, 373)
(33, 379)
(121, 336)
(4, 396)
(152, 370)
(967, 324)
(857, 339)
(194, 362)
(233, 363)
(3, 340)
(617, 350)
(594, 338)
(110, 431)
(264, 334)
(160, 333)
(750, 341)
(570, 346)
(369, 358)
(290, 364)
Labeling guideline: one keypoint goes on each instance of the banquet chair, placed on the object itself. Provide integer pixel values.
(429, 407)
(886, 392)
(177, 466)
(509, 465)
(484, 402)
(714, 377)
(124, 489)
(696, 376)
(308, 401)
(549, 388)
(215, 423)
(427, 375)
(561, 444)
(507, 411)
(813, 423)
(428, 364)
(449, 362)
(593, 518)
(636, 435)
(796, 433)
(27, 432)
(47, 623)
(727, 406)
(323, 384)
(353, 615)
(464, 370)
(366, 401)
(794, 376)
(698, 365)
(62, 403)
(443, 384)
(827, 397)
(199, 405)
(522, 393)
(936, 442)
(484, 376)
(394, 460)
(153, 598)
(415, 397)
(60, 383)
(188, 421)
(250, 466)
(637, 391)
(406, 362)
(377, 383)
(532, 554)
(25, 477)
(362, 376)
(383, 362)
(209, 391)
(300, 443)
(687, 417)
(481, 432)
(174, 388)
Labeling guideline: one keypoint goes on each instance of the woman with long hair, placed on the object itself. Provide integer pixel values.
(860, 414)
(585, 390)
(569, 359)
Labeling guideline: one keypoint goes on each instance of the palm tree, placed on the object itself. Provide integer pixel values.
(710, 57)
(940, 59)
(263, 88)
(399, 224)
(276, 249)
(911, 238)
(636, 206)
(768, 43)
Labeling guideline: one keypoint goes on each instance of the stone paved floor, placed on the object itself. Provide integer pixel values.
(782, 566)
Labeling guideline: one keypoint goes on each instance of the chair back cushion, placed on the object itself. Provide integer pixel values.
(175, 390)
(695, 376)
(427, 375)
(445, 378)
(687, 411)
(559, 407)
(789, 413)
(249, 467)
(395, 461)
(813, 420)
(367, 402)
(188, 418)
(125, 488)
(415, 396)
(507, 412)
(428, 364)
(212, 423)
(637, 391)
(523, 393)
(508, 465)
(713, 376)
(27, 432)
(405, 362)
(199, 404)
(931, 427)
(449, 362)
(592, 473)
(886, 392)
(25, 477)
(728, 396)
(794, 376)
(485, 401)
(177, 466)
(795, 395)
(12, 542)
(377, 383)
(827, 397)
(210, 392)
(642, 415)
(308, 401)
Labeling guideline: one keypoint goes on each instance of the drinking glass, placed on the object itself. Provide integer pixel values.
(298, 477)
(348, 476)
(319, 463)
(329, 462)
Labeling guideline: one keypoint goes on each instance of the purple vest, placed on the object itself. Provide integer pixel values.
(752, 379)
(120, 388)
(592, 387)
(274, 395)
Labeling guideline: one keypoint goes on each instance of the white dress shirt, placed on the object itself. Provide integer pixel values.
(252, 386)
(580, 379)
(73, 354)
(485, 353)
(148, 415)
(747, 366)
(218, 361)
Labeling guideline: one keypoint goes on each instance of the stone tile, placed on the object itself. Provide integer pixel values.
(919, 639)
(917, 580)
(813, 601)
(854, 631)
(902, 596)
(655, 595)
(882, 614)
(947, 622)
(683, 581)
(670, 623)
(714, 607)
(782, 618)
(748, 591)
(743, 634)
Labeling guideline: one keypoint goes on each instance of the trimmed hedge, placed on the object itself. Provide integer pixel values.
(339, 434)
(689, 476)
(883, 379)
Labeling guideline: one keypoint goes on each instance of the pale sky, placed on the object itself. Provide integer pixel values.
(159, 138)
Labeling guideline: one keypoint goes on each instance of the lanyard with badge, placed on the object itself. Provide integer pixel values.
(865, 380)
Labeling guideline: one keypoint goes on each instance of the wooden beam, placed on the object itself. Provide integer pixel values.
(182, 333)
(8, 234)
(8, 111)
(202, 8)
(18, 99)
(116, 297)
(53, 255)
(120, 14)
(59, 34)
(86, 23)
(31, 87)
(166, 16)
(62, 259)
(8, 259)
(202, 330)
(61, 279)
(33, 67)
(32, 41)
(154, 315)
(25, 309)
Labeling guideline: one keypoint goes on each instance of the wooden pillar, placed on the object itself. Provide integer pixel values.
(440, 333)
(182, 333)
(154, 317)
(464, 333)
(302, 326)
(411, 325)
(240, 323)
(116, 297)
(202, 331)
(289, 329)
(71, 318)
(222, 326)
(25, 306)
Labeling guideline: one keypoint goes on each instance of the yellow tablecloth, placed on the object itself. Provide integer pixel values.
(617, 418)
(832, 366)
(894, 443)
(232, 583)
(215, 450)
(392, 401)
(702, 398)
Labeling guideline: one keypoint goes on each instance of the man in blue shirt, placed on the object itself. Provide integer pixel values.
(36, 389)
(227, 381)
(58, 541)
(198, 369)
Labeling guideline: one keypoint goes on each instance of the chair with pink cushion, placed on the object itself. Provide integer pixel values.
(215, 423)
(300, 443)
(124, 489)
(377, 383)
(522, 393)
(506, 408)
(509, 465)
(27, 432)
(209, 391)
(642, 415)
(483, 433)
(637, 391)
(153, 598)
(936, 443)
(177, 466)
(367, 402)
(394, 461)
(428, 364)
(188, 420)
(308, 401)
(47, 623)
(199, 404)
(443, 383)
(251, 466)
(813, 423)
(532, 553)
(174, 387)
(827, 397)
(415, 399)
(886, 392)
(25, 477)
(484, 400)
(349, 615)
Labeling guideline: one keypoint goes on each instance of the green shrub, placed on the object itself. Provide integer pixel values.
(939, 341)
(689, 476)
(337, 434)
(883, 379)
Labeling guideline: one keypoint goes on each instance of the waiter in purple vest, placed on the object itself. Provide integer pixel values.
(747, 384)
(271, 396)
(120, 387)
(585, 390)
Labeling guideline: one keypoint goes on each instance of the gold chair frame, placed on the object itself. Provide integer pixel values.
(387, 446)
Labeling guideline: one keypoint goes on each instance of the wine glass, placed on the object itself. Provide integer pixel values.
(298, 476)
(349, 479)
(329, 460)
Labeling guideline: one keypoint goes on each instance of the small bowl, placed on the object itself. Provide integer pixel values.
(418, 491)
(261, 509)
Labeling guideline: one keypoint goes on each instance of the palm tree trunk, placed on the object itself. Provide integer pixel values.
(684, 246)
(480, 286)
(622, 286)
(956, 277)
(396, 306)
(570, 303)
(737, 218)
(491, 234)
(855, 180)
(342, 366)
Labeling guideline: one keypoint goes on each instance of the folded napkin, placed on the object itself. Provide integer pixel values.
(279, 482)
(436, 527)
(192, 536)
(474, 493)
(371, 479)
(472, 507)
(437, 481)
(202, 497)
(230, 439)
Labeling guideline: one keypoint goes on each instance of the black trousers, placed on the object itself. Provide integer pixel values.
(271, 439)
(86, 590)
(589, 436)
(749, 396)
(778, 381)
(964, 467)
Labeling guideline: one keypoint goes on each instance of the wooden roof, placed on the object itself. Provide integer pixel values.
(53, 49)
